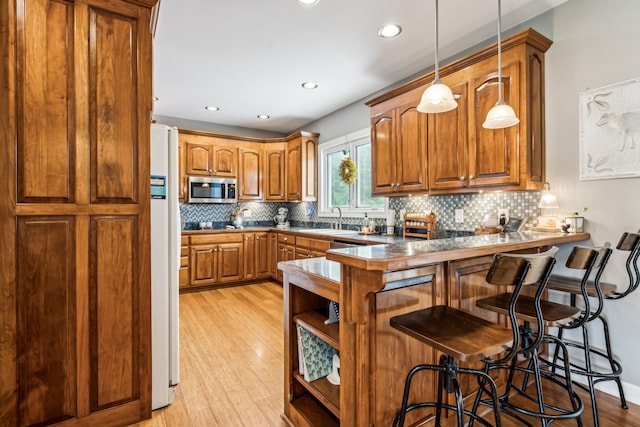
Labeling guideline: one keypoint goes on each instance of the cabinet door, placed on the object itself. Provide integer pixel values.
(411, 146)
(274, 174)
(203, 264)
(447, 143)
(199, 159)
(249, 256)
(182, 176)
(294, 162)
(250, 174)
(224, 161)
(493, 153)
(302, 253)
(262, 255)
(230, 262)
(273, 255)
(383, 153)
(183, 273)
(309, 169)
(285, 253)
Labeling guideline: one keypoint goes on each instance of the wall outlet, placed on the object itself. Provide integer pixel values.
(246, 213)
(459, 215)
(506, 214)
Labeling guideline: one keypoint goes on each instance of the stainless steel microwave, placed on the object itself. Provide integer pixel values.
(212, 190)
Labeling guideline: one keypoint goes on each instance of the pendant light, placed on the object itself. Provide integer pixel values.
(501, 115)
(438, 97)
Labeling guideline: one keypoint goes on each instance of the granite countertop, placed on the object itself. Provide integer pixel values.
(398, 256)
(319, 266)
(351, 236)
(346, 236)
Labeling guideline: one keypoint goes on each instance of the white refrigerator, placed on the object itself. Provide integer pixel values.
(165, 264)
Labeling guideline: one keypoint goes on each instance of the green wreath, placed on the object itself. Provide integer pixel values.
(348, 171)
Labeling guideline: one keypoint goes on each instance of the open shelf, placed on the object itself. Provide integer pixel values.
(327, 393)
(313, 413)
(314, 323)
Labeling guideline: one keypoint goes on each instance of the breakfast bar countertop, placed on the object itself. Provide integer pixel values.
(410, 254)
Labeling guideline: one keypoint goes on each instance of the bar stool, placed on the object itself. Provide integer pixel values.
(533, 310)
(461, 336)
(594, 289)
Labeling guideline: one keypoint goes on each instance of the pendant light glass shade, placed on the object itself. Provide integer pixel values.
(501, 115)
(438, 98)
(548, 200)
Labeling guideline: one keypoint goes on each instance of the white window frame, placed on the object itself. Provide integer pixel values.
(347, 142)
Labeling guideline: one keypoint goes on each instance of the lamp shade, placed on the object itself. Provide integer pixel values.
(438, 98)
(500, 116)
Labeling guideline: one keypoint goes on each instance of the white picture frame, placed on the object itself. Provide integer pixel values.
(609, 135)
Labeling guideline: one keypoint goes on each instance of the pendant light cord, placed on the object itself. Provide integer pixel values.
(499, 52)
(436, 65)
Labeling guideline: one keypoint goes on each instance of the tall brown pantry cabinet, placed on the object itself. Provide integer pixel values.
(75, 102)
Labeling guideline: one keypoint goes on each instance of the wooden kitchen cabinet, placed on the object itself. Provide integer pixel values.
(273, 255)
(256, 255)
(250, 172)
(263, 255)
(399, 146)
(74, 201)
(216, 259)
(209, 154)
(286, 250)
(183, 194)
(183, 272)
(302, 167)
(462, 156)
(274, 172)
(311, 248)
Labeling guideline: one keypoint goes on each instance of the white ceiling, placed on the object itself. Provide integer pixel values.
(250, 57)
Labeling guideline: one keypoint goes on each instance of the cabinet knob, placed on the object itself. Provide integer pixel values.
(471, 177)
(257, 238)
(392, 185)
(462, 178)
(397, 186)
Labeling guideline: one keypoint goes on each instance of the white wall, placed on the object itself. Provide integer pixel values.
(595, 44)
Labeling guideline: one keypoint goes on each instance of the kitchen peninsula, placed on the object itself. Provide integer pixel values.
(371, 285)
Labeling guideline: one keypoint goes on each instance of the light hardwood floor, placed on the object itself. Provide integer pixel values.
(231, 367)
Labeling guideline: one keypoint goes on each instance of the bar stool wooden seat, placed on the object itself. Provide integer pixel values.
(461, 336)
(598, 291)
(533, 310)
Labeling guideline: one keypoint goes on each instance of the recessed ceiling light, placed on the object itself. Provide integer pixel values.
(309, 85)
(389, 31)
(308, 2)
(212, 108)
(263, 116)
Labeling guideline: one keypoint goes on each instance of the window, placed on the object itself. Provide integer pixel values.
(354, 199)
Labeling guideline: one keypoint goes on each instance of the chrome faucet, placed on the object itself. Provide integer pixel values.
(340, 217)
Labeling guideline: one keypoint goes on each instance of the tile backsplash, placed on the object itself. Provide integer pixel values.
(474, 206)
